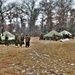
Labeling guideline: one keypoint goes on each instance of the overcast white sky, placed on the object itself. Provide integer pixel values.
(13, 0)
(19, 0)
(10, 1)
(38, 1)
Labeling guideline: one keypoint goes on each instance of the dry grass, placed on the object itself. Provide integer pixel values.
(41, 58)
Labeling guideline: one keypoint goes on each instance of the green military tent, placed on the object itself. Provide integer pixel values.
(10, 36)
(64, 32)
(51, 34)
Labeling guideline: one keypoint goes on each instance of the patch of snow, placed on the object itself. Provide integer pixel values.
(72, 64)
(64, 40)
(23, 71)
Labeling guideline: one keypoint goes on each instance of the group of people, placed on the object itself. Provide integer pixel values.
(19, 39)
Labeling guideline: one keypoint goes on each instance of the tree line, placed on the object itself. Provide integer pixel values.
(28, 17)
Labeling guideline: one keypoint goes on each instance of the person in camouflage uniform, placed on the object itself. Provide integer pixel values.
(41, 36)
(6, 40)
(27, 41)
(16, 40)
(21, 39)
(0, 39)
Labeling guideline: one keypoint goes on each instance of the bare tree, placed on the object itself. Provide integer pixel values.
(29, 7)
(3, 10)
(63, 7)
(47, 7)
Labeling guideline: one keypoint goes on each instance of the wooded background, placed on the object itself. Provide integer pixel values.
(29, 18)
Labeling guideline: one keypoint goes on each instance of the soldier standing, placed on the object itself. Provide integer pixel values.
(41, 37)
(21, 39)
(0, 40)
(16, 40)
(6, 40)
(27, 41)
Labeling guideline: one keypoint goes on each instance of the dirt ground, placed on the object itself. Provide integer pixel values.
(43, 57)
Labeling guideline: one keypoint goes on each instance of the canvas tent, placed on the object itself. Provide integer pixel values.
(51, 34)
(64, 32)
(10, 36)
